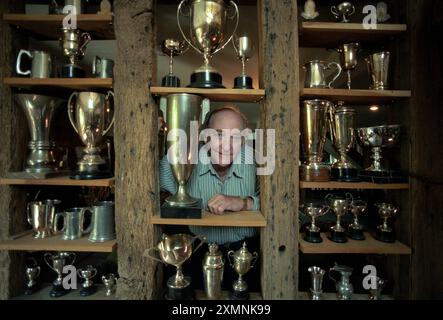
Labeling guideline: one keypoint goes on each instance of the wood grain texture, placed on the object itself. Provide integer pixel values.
(235, 95)
(63, 83)
(356, 96)
(278, 61)
(136, 167)
(59, 181)
(353, 185)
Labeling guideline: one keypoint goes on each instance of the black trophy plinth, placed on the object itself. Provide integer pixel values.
(238, 295)
(58, 291)
(206, 80)
(72, 71)
(384, 236)
(383, 176)
(312, 236)
(356, 234)
(87, 291)
(100, 172)
(186, 293)
(243, 82)
(194, 212)
(338, 236)
(31, 289)
(170, 81)
(345, 174)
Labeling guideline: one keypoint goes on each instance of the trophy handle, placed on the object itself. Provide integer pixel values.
(353, 11)
(94, 271)
(57, 217)
(87, 38)
(148, 254)
(337, 75)
(334, 11)
(234, 42)
(73, 257)
(19, 60)
(38, 271)
(179, 10)
(328, 198)
(96, 61)
(236, 14)
(28, 213)
(254, 259)
(202, 241)
(79, 274)
(230, 253)
(45, 258)
(331, 277)
(82, 220)
(71, 110)
(110, 93)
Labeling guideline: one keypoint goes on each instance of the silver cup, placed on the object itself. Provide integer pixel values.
(244, 50)
(41, 66)
(172, 48)
(32, 273)
(317, 274)
(103, 223)
(315, 74)
(340, 207)
(378, 68)
(73, 223)
(241, 261)
(57, 261)
(348, 58)
(110, 283)
(73, 43)
(41, 216)
(87, 274)
(358, 207)
(103, 68)
(375, 294)
(343, 11)
(386, 211)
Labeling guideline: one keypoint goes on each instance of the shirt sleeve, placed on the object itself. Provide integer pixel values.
(167, 180)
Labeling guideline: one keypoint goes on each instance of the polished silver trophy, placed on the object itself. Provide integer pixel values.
(355, 230)
(375, 293)
(175, 250)
(378, 68)
(56, 262)
(317, 274)
(314, 121)
(315, 211)
(73, 223)
(40, 111)
(102, 222)
(343, 286)
(172, 48)
(244, 49)
(88, 286)
(241, 261)
(315, 74)
(41, 216)
(343, 138)
(207, 19)
(384, 232)
(110, 283)
(32, 272)
(343, 11)
(340, 207)
(73, 43)
(91, 116)
(213, 267)
(348, 58)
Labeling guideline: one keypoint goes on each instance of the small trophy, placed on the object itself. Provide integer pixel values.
(314, 211)
(384, 232)
(56, 262)
(378, 69)
(355, 230)
(243, 48)
(339, 206)
(375, 293)
(172, 48)
(343, 11)
(317, 274)
(110, 282)
(310, 12)
(32, 272)
(73, 43)
(348, 58)
(242, 261)
(88, 286)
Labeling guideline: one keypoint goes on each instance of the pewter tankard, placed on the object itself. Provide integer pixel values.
(103, 225)
(315, 74)
(73, 223)
(102, 68)
(41, 66)
(41, 215)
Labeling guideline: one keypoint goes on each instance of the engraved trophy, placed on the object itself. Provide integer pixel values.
(32, 272)
(314, 211)
(339, 206)
(73, 43)
(213, 267)
(348, 58)
(175, 250)
(343, 11)
(88, 286)
(378, 68)
(56, 262)
(110, 283)
(317, 274)
(172, 48)
(343, 286)
(241, 261)
(91, 116)
(207, 20)
(355, 230)
(243, 48)
(384, 232)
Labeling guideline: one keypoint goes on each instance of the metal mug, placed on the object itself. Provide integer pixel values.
(73, 221)
(102, 68)
(41, 64)
(315, 74)
(41, 216)
(103, 225)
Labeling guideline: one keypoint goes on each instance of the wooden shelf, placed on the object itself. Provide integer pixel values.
(333, 296)
(353, 185)
(332, 34)
(27, 243)
(48, 26)
(58, 181)
(43, 293)
(234, 219)
(201, 295)
(356, 96)
(368, 246)
(64, 83)
(233, 95)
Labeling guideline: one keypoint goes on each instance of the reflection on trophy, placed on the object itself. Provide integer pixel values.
(175, 250)
(348, 58)
(91, 117)
(73, 43)
(32, 272)
(314, 120)
(172, 48)
(342, 131)
(88, 286)
(182, 111)
(343, 286)
(343, 11)
(110, 282)
(339, 206)
(384, 232)
(242, 261)
(40, 111)
(317, 274)
(41, 216)
(243, 48)
(355, 231)
(56, 262)
(207, 28)
(314, 211)
(375, 293)
(378, 68)
(315, 74)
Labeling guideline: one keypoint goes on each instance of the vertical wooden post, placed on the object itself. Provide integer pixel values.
(280, 111)
(136, 169)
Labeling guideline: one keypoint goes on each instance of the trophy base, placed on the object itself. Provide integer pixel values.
(194, 212)
(313, 236)
(314, 173)
(206, 80)
(92, 172)
(72, 71)
(243, 82)
(345, 174)
(338, 236)
(185, 293)
(84, 292)
(356, 234)
(58, 291)
(31, 290)
(384, 236)
(170, 81)
(238, 295)
(382, 176)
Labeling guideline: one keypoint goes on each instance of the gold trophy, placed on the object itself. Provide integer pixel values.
(243, 47)
(242, 261)
(207, 28)
(73, 43)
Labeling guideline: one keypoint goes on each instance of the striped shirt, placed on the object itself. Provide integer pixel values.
(205, 183)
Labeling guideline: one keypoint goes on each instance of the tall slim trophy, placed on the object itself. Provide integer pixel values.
(243, 47)
(348, 58)
(172, 48)
(207, 32)
(73, 43)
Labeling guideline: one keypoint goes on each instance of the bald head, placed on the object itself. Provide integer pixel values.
(227, 117)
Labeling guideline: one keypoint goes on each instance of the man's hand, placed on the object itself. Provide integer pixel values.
(221, 203)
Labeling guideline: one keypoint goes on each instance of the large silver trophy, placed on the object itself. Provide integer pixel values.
(73, 43)
(40, 111)
(56, 262)
(207, 20)
(243, 48)
(91, 117)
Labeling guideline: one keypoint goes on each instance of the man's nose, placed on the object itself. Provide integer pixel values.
(226, 144)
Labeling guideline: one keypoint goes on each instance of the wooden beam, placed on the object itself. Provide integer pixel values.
(279, 65)
(135, 134)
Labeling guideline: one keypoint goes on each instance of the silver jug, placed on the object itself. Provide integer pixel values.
(315, 74)
(213, 267)
(41, 216)
(103, 225)
(41, 66)
(344, 286)
(73, 223)
(102, 68)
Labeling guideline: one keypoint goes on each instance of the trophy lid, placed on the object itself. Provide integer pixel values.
(243, 254)
(213, 258)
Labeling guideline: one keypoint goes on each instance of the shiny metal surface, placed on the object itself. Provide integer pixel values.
(374, 294)
(343, 11)
(57, 261)
(314, 210)
(317, 274)
(357, 207)
(103, 222)
(73, 223)
(213, 267)
(88, 273)
(41, 66)
(348, 58)
(386, 211)
(343, 286)
(315, 73)
(73, 43)
(110, 283)
(343, 133)
(244, 49)
(378, 68)
(340, 207)
(32, 273)
(241, 261)
(173, 48)
(41, 216)
(103, 68)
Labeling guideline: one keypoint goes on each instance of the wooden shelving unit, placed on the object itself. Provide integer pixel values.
(48, 26)
(234, 219)
(333, 296)
(353, 185)
(356, 95)
(367, 246)
(26, 242)
(61, 83)
(331, 34)
(232, 95)
(59, 181)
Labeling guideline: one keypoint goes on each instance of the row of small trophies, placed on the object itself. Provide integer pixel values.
(176, 249)
(340, 206)
(57, 262)
(343, 285)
